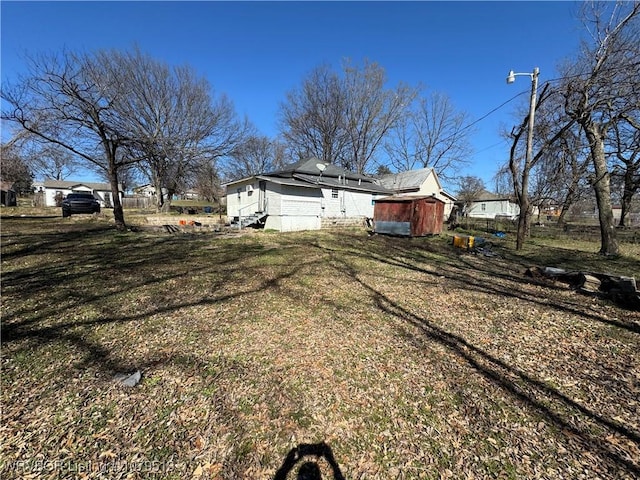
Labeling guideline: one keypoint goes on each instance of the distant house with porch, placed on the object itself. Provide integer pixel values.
(54, 191)
(306, 195)
(421, 182)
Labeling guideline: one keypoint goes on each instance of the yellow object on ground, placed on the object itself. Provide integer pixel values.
(463, 241)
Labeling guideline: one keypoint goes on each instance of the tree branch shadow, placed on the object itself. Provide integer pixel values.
(535, 394)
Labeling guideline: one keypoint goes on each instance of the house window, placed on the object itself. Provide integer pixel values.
(483, 207)
(334, 193)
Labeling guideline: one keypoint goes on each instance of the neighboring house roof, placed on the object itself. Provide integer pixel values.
(70, 184)
(487, 196)
(408, 181)
(412, 181)
(316, 173)
(444, 193)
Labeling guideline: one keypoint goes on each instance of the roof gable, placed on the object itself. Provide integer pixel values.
(409, 180)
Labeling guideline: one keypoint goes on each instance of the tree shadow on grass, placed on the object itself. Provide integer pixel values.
(549, 402)
(481, 274)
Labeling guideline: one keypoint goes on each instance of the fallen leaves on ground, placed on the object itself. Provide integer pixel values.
(410, 359)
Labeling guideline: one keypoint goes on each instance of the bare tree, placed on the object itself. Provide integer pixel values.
(371, 111)
(552, 125)
(626, 169)
(342, 119)
(602, 88)
(255, 155)
(68, 100)
(172, 121)
(563, 172)
(207, 181)
(14, 169)
(470, 189)
(312, 117)
(503, 180)
(433, 134)
(49, 160)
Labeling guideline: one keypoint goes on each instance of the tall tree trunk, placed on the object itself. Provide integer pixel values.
(569, 199)
(602, 187)
(118, 211)
(627, 195)
(159, 193)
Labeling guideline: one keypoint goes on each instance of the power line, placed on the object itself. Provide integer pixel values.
(493, 110)
(466, 127)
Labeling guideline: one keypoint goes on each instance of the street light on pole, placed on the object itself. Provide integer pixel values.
(524, 196)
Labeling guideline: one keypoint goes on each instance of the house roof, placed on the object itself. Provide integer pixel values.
(486, 196)
(411, 180)
(316, 173)
(70, 184)
(313, 166)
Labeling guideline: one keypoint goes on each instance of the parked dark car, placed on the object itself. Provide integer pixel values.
(79, 203)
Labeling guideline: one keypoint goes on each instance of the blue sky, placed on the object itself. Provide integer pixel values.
(255, 52)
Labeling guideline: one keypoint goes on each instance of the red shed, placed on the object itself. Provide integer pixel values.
(408, 216)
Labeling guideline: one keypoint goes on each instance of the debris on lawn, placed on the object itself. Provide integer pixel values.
(620, 289)
(476, 245)
(128, 379)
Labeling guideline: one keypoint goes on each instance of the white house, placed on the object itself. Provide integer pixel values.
(306, 195)
(421, 182)
(55, 190)
(490, 205)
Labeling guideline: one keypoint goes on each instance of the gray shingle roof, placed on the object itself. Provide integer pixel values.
(307, 173)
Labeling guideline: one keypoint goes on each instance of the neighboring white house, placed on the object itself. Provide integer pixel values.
(55, 190)
(490, 205)
(421, 182)
(306, 195)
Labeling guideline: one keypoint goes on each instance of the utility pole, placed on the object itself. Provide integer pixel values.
(523, 218)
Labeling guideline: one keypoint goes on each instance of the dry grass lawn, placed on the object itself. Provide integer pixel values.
(408, 358)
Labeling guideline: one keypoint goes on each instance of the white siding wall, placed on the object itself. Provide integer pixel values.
(297, 208)
(300, 202)
(491, 208)
(348, 204)
(242, 200)
(273, 195)
(293, 208)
